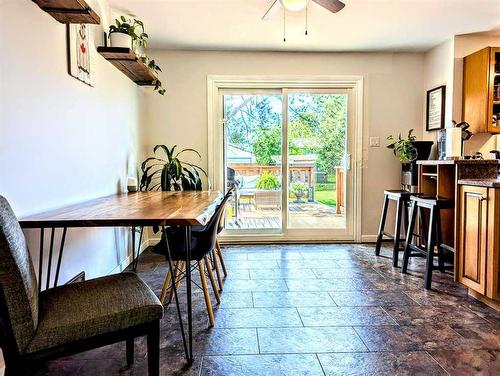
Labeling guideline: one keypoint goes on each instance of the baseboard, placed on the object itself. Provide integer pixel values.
(373, 239)
(128, 260)
(364, 239)
(369, 238)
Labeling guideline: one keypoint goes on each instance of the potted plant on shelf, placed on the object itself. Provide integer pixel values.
(156, 69)
(409, 149)
(128, 33)
(403, 148)
(299, 189)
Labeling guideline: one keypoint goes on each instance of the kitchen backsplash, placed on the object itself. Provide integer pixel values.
(482, 143)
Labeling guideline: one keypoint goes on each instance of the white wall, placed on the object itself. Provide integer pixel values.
(392, 103)
(61, 141)
(439, 70)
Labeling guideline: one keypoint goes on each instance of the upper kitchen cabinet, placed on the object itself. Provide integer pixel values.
(481, 91)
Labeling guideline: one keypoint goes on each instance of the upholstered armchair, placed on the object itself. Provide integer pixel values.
(71, 318)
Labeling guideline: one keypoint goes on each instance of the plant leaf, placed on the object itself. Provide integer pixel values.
(191, 150)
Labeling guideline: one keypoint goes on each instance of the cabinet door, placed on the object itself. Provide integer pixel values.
(473, 236)
(494, 92)
(477, 90)
(493, 256)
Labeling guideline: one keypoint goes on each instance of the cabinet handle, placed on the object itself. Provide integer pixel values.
(477, 196)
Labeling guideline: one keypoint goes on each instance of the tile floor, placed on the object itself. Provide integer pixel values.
(316, 310)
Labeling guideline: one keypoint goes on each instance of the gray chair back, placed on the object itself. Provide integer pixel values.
(17, 278)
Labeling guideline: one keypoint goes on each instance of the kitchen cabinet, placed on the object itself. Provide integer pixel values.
(473, 235)
(479, 242)
(481, 91)
(493, 252)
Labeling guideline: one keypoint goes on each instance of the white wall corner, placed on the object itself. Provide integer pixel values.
(128, 260)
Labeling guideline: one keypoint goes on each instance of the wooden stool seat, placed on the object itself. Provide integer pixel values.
(402, 199)
(432, 234)
(398, 193)
(433, 201)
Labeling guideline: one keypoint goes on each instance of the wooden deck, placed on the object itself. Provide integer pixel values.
(301, 215)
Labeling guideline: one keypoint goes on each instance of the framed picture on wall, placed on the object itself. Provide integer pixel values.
(78, 40)
(436, 101)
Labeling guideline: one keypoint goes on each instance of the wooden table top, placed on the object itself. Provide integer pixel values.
(185, 208)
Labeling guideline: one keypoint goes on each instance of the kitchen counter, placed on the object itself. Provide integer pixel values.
(459, 162)
(488, 183)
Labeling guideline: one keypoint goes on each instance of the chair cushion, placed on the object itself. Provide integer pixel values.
(85, 309)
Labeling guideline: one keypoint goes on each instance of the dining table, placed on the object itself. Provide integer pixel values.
(137, 211)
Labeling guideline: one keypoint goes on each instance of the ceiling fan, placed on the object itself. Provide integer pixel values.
(333, 6)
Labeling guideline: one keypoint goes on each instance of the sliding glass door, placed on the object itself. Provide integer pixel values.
(286, 152)
(253, 128)
(317, 154)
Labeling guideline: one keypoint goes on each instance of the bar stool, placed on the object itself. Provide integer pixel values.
(432, 231)
(402, 199)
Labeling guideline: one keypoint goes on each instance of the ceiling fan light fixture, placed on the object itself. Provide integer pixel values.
(294, 5)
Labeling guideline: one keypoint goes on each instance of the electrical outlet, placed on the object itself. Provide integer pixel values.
(374, 142)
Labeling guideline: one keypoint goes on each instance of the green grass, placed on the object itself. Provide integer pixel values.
(326, 197)
(324, 187)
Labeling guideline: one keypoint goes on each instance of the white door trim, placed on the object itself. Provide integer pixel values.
(215, 136)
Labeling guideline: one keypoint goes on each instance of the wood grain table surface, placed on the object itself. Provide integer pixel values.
(184, 208)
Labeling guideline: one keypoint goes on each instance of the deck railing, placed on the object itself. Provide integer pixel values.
(339, 186)
(303, 173)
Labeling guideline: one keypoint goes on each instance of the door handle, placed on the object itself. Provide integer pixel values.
(347, 162)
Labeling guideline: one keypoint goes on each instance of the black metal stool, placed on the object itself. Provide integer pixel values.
(402, 199)
(433, 232)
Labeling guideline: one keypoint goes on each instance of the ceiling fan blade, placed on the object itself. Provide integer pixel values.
(273, 9)
(333, 6)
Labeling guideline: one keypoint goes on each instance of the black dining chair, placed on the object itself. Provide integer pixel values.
(217, 255)
(203, 242)
(71, 318)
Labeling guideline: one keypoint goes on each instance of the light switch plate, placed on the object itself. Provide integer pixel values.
(374, 142)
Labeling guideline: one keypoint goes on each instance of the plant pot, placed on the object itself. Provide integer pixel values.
(120, 40)
(298, 196)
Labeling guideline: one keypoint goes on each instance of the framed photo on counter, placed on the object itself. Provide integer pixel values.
(436, 102)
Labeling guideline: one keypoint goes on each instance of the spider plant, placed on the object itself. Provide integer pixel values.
(168, 172)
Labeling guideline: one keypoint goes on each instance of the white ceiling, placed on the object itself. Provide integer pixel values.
(363, 25)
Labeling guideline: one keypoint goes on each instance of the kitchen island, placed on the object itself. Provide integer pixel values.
(472, 228)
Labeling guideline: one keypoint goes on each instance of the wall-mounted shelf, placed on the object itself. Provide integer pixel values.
(127, 62)
(69, 11)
